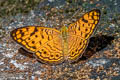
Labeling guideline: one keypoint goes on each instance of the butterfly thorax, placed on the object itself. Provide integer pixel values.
(64, 31)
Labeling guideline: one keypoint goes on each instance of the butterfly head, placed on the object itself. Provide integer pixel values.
(64, 31)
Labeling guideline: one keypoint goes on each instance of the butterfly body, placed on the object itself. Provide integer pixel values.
(64, 33)
(53, 46)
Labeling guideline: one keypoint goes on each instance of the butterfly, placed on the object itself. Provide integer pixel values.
(54, 46)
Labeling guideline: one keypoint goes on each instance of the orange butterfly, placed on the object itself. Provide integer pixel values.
(53, 46)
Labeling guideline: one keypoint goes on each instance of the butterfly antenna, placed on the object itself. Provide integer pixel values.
(79, 9)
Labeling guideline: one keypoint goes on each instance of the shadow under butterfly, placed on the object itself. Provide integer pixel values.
(95, 44)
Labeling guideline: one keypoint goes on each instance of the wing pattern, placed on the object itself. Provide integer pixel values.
(80, 32)
(46, 43)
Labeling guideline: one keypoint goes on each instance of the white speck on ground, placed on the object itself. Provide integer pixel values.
(22, 67)
(98, 62)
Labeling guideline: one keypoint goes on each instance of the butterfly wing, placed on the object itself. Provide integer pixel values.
(45, 43)
(80, 32)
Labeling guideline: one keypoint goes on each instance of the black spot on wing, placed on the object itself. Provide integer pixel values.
(20, 31)
(44, 52)
(79, 28)
(28, 38)
(35, 30)
(33, 47)
(22, 34)
(27, 28)
(86, 21)
(48, 38)
(40, 42)
(33, 42)
(36, 35)
(42, 36)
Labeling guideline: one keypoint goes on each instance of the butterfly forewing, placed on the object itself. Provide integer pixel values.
(46, 43)
(80, 32)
